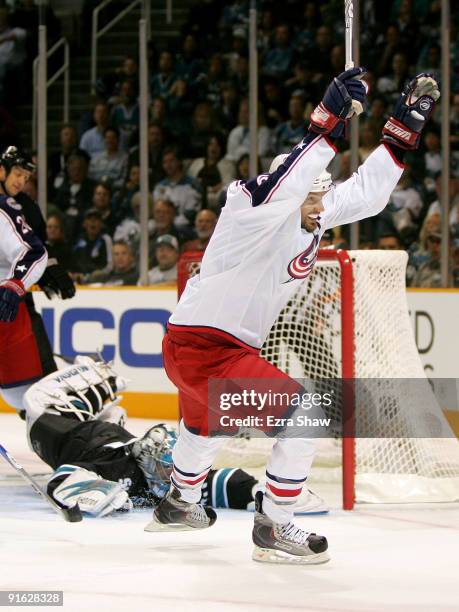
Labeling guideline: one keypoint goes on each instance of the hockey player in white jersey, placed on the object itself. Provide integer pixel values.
(264, 245)
(23, 260)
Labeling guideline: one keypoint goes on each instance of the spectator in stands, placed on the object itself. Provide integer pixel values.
(57, 162)
(239, 137)
(432, 155)
(162, 80)
(190, 65)
(93, 250)
(12, 52)
(167, 254)
(125, 115)
(327, 239)
(227, 113)
(279, 59)
(212, 171)
(320, 51)
(204, 226)
(389, 242)
(377, 112)
(213, 79)
(129, 229)
(180, 105)
(124, 270)
(55, 238)
(240, 78)
(390, 85)
(430, 59)
(429, 273)
(156, 145)
(369, 139)
(122, 201)
(179, 188)
(74, 196)
(418, 252)
(111, 164)
(163, 222)
(386, 46)
(158, 113)
(403, 210)
(289, 133)
(242, 168)
(234, 13)
(203, 125)
(238, 48)
(337, 59)
(304, 81)
(273, 100)
(265, 30)
(409, 30)
(102, 202)
(108, 87)
(304, 39)
(92, 141)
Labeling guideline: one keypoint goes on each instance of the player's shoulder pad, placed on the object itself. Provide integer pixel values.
(9, 204)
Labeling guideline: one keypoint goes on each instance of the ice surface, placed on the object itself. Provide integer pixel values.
(383, 558)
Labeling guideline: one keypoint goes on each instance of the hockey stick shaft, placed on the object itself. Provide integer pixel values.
(349, 25)
(72, 515)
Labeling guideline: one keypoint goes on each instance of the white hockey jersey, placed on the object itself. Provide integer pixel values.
(22, 254)
(259, 254)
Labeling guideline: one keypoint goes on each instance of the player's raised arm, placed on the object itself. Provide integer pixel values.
(367, 191)
(293, 178)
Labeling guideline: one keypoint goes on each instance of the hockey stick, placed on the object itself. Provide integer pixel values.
(72, 515)
(349, 25)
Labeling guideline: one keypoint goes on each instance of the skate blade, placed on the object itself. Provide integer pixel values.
(270, 555)
(156, 526)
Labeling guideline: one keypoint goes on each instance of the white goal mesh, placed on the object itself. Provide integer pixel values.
(409, 453)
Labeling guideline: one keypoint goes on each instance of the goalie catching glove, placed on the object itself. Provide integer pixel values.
(343, 98)
(412, 112)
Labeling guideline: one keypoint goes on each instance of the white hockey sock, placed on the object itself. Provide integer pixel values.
(193, 456)
(288, 467)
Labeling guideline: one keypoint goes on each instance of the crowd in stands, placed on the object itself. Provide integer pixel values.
(199, 141)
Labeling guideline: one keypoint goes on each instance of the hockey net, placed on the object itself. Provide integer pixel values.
(350, 319)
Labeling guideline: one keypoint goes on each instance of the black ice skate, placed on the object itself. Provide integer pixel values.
(278, 543)
(175, 514)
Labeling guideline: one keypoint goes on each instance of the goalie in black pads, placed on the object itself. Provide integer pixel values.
(75, 424)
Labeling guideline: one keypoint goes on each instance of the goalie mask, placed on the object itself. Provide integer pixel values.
(153, 454)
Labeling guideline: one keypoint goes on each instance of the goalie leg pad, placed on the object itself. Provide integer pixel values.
(71, 485)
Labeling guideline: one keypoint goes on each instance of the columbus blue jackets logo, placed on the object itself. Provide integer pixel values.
(301, 266)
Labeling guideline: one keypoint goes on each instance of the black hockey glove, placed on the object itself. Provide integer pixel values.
(411, 112)
(56, 281)
(344, 97)
(11, 293)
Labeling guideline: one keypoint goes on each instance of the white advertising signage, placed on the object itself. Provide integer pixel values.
(127, 325)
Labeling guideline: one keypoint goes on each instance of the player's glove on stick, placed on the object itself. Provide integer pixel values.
(344, 96)
(412, 112)
(56, 281)
(11, 293)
